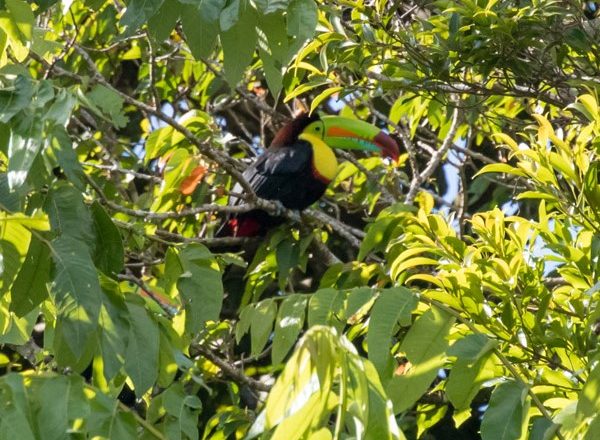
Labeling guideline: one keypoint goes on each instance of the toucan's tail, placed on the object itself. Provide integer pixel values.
(253, 223)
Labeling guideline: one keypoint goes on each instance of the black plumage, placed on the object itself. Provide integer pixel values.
(286, 174)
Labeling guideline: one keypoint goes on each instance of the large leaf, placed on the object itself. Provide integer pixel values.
(273, 49)
(23, 147)
(69, 216)
(200, 287)
(589, 397)
(302, 17)
(108, 254)
(503, 419)
(67, 158)
(141, 359)
(114, 328)
(238, 51)
(200, 28)
(16, 415)
(290, 321)
(321, 307)
(262, 324)
(76, 292)
(17, 98)
(139, 12)
(425, 346)
(29, 288)
(394, 306)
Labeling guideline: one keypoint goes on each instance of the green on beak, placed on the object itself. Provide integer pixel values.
(353, 134)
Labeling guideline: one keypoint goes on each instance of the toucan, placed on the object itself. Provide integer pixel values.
(299, 164)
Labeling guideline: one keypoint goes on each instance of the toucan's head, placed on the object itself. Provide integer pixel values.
(338, 132)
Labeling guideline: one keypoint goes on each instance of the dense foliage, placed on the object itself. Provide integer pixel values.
(451, 295)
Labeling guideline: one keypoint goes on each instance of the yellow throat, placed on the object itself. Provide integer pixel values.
(324, 161)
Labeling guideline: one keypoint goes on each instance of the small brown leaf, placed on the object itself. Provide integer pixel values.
(190, 183)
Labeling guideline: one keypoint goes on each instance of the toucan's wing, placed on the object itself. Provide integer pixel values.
(278, 173)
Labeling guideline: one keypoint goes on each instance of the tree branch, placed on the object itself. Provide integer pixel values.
(436, 159)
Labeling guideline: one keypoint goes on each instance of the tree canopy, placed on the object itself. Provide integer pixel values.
(453, 294)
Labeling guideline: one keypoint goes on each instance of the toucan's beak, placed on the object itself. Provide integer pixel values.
(353, 134)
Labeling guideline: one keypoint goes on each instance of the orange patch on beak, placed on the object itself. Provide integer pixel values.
(340, 132)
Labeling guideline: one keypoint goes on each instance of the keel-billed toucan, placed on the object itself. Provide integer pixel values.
(299, 164)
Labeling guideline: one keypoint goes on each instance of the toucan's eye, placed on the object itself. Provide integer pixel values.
(317, 128)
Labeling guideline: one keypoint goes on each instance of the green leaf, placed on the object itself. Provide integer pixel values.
(503, 418)
(287, 254)
(67, 158)
(323, 96)
(141, 358)
(61, 109)
(23, 148)
(68, 214)
(109, 253)
(52, 398)
(425, 345)
(472, 347)
(10, 262)
(76, 292)
(290, 321)
(162, 23)
(184, 408)
(393, 306)
(114, 328)
(500, 168)
(16, 413)
(230, 15)
(19, 13)
(12, 101)
(268, 6)
(302, 18)
(138, 12)
(200, 30)
(200, 286)
(589, 396)
(466, 379)
(321, 307)
(238, 52)
(244, 322)
(108, 103)
(262, 325)
(29, 288)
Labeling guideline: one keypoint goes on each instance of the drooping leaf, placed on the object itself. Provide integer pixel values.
(394, 306)
(262, 325)
(237, 52)
(68, 214)
(137, 13)
(114, 328)
(200, 28)
(425, 345)
(141, 358)
(589, 397)
(200, 287)
(108, 254)
(23, 148)
(29, 288)
(76, 292)
(290, 320)
(503, 418)
(67, 158)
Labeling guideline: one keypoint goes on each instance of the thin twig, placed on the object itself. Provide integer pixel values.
(235, 374)
(436, 159)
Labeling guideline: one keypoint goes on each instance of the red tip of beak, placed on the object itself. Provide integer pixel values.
(389, 147)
